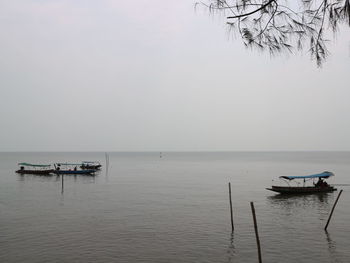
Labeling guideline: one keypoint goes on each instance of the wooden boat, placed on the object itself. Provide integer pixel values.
(72, 168)
(40, 169)
(87, 165)
(320, 187)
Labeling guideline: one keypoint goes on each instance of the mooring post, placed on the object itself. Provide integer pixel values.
(107, 163)
(335, 203)
(62, 175)
(229, 190)
(256, 231)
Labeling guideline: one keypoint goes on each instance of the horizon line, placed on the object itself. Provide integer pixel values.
(163, 151)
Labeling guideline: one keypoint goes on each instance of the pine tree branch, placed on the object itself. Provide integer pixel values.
(250, 13)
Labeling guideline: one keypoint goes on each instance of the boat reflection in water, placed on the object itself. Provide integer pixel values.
(53, 177)
(300, 201)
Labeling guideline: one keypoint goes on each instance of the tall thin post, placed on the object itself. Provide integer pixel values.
(256, 231)
(330, 216)
(229, 190)
(107, 162)
(62, 188)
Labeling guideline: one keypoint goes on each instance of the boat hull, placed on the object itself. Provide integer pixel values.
(301, 190)
(91, 167)
(40, 172)
(86, 172)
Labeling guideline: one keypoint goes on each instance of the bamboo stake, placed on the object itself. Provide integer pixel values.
(107, 162)
(256, 231)
(62, 184)
(229, 190)
(335, 203)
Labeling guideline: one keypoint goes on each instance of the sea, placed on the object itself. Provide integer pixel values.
(172, 207)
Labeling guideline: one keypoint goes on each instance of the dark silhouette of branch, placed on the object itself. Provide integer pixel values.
(256, 10)
(279, 27)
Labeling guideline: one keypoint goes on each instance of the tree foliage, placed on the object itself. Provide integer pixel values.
(278, 25)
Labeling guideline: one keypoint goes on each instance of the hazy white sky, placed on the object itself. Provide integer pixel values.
(88, 75)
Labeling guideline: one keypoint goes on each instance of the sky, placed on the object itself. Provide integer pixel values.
(152, 75)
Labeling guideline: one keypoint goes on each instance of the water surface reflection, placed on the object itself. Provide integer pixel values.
(290, 202)
(231, 249)
(88, 178)
(332, 249)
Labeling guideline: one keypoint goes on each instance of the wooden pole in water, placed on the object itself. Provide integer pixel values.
(256, 231)
(107, 162)
(335, 203)
(62, 175)
(229, 190)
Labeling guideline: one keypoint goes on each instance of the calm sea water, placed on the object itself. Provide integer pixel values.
(172, 209)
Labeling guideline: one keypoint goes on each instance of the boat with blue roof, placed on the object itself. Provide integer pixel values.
(72, 168)
(321, 186)
(86, 165)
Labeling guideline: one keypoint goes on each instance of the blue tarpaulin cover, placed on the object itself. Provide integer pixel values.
(321, 175)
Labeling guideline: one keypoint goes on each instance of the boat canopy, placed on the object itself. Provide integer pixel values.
(321, 175)
(68, 163)
(89, 162)
(34, 165)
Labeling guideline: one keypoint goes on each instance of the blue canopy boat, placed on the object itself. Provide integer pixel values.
(72, 168)
(41, 169)
(86, 165)
(320, 187)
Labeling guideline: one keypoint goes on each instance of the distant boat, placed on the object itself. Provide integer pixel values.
(41, 169)
(72, 168)
(86, 165)
(320, 187)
